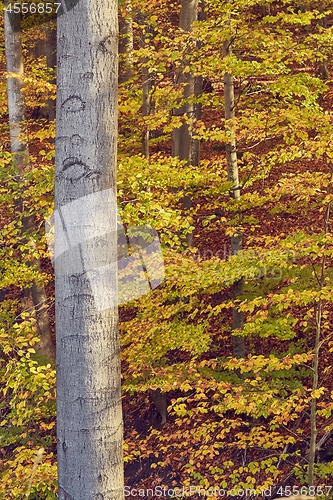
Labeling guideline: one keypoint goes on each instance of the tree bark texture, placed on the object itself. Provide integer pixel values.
(89, 416)
(183, 144)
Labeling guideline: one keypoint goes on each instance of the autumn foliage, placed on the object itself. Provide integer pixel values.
(258, 422)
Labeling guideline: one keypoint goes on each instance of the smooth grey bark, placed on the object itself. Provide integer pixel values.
(238, 343)
(183, 144)
(35, 297)
(89, 416)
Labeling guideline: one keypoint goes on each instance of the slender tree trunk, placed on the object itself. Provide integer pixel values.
(146, 105)
(47, 47)
(238, 344)
(125, 45)
(266, 10)
(51, 61)
(318, 313)
(147, 86)
(183, 144)
(89, 416)
(323, 68)
(313, 406)
(35, 297)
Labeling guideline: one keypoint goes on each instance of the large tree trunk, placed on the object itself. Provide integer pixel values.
(238, 344)
(35, 297)
(89, 416)
(183, 144)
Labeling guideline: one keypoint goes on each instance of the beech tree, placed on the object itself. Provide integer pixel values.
(89, 416)
(238, 344)
(35, 296)
(147, 85)
(258, 422)
(262, 71)
(183, 143)
(125, 44)
(46, 47)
